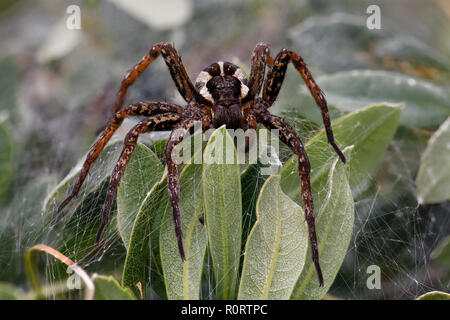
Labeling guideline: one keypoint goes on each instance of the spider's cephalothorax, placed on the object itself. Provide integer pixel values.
(221, 96)
(225, 86)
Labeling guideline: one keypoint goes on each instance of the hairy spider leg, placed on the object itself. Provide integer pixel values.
(173, 181)
(159, 122)
(176, 68)
(290, 137)
(260, 58)
(137, 109)
(275, 79)
(198, 109)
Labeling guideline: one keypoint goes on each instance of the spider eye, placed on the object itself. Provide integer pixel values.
(222, 80)
(244, 90)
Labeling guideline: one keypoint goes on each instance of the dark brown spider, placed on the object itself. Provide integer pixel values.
(221, 96)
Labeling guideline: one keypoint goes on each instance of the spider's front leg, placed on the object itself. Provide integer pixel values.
(275, 79)
(176, 68)
(173, 181)
(138, 109)
(155, 123)
(290, 137)
(260, 58)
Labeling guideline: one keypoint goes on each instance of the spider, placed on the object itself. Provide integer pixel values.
(222, 95)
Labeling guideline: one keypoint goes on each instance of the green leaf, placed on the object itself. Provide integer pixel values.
(441, 254)
(369, 130)
(334, 225)
(6, 159)
(99, 172)
(304, 127)
(158, 147)
(400, 165)
(142, 172)
(58, 43)
(344, 31)
(82, 216)
(135, 271)
(10, 84)
(433, 179)
(78, 230)
(426, 104)
(251, 181)
(356, 46)
(107, 288)
(434, 295)
(9, 292)
(183, 279)
(276, 247)
(156, 14)
(223, 210)
(254, 176)
(144, 250)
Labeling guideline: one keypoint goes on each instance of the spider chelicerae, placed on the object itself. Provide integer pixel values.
(222, 95)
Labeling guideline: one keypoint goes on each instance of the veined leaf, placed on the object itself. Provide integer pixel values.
(135, 270)
(426, 104)
(268, 162)
(99, 172)
(142, 172)
(83, 213)
(442, 252)
(434, 295)
(433, 179)
(107, 288)
(334, 225)
(6, 159)
(276, 247)
(369, 130)
(252, 181)
(183, 278)
(223, 210)
(145, 253)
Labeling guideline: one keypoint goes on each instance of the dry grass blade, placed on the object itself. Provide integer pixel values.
(89, 294)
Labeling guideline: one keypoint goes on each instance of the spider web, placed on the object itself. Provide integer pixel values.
(391, 229)
(392, 232)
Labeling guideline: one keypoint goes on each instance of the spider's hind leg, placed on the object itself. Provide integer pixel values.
(138, 109)
(173, 181)
(154, 123)
(290, 137)
(275, 79)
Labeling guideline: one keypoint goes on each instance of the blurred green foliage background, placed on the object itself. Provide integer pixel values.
(57, 87)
